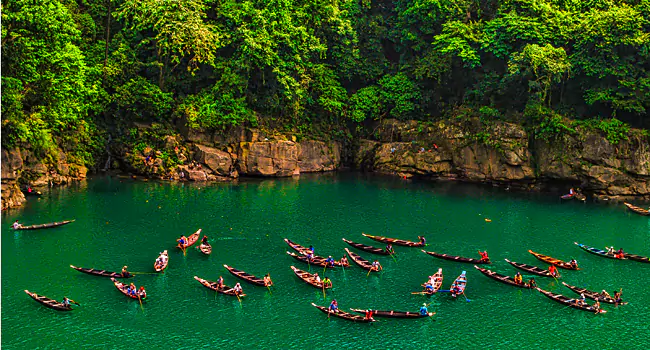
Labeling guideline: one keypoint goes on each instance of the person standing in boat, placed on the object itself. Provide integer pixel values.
(16, 225)
(518, 278)
(267, 280)
(484, 256)
(125, 273)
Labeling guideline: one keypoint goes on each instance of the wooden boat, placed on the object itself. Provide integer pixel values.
(122, 287)
(637, 210)
(396, 241)
(318, 260)
(437, 281)
(458, 287)
(531, 269)
(193, 238)
(32, 192)
(367, 248)
(51, 303)
(569, 302)
(246, 276)
(309, 278)
(591, 294)
(42, 226)
(553, 261)
(394, 314)
(205, 248)
(215, 287)
(300, 249)
(502, 278)
(342, 314)
(575, 195)
(597, 251)
(365, 264)
(635, 257)
(162, 266)
(104, 273)
(456, 258)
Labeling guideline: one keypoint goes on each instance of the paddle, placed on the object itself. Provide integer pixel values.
(269, 288)
(323, 291)
(466, 297)
(74, 302)
(140, 300)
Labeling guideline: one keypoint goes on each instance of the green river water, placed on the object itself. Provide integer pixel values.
(124, 222)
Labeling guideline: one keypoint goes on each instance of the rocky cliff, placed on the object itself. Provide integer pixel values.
(504, 153)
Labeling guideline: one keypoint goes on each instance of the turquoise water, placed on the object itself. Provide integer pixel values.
(122, 222)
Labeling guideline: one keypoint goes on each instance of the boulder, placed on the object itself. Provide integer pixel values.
(273, 158)
(217, 161)
(317, 156)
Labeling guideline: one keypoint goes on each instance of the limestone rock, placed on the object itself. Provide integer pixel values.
(273, 158)
(316, 156)
(216, 160)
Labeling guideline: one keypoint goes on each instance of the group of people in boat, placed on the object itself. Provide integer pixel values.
(326, 282)
(136, 293)
(162, 259)
(618, 254)
(520, 280)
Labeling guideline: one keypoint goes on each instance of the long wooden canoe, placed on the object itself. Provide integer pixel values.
(367, 248)
(456, 258)
(591, 294)
(246, 276)
(637, 210)
(396, 241)
(365, 264)
(553, 261)
(215, 287)
(193, 238)
(300, 249)
(42, 226)
(459, 284)
(502, 278)
(317, 261)
(103, 273)
(395, 314)
(342, 314)
(123, 288)
(531, 269)
(635, 257)
(309, 278)
(597, 251)
(569, 302)
(51, 303)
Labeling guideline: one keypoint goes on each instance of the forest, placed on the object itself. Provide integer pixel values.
(74, 72)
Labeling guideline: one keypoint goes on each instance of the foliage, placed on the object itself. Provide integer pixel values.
(614, 129)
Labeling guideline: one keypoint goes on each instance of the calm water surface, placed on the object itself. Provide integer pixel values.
(121, 222)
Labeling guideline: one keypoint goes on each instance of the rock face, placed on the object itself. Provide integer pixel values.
(277, 158)
(504, 153)
(21, 167)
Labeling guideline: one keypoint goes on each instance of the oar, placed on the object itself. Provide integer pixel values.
(324, 291)
(140, 300)
(468, 300)
(74, 302)
(269, 288)
(369, 271)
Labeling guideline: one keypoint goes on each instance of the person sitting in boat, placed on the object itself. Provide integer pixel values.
(267, 280)
(131, 290)
(334, 306)
(532, 283)
(327, 283)
(597, 306)
(310, 257)
(553, 270)
(142, 293)
(125, 273)
(610, 250)
(619, 254)
(604, 294)
(316, 277)
(237, 288)
(428, 288)
(368, 315)
(164, 256)
(573, 263)
(484, 256)
(220, 282)
(423, 310)
(376, 266)
(423, 241)
(16, 225)
(344, 261)
(455, 290)
(311, 249)
(518, 278)
(389, 249)
(330, 261)
(66, 302)
(572, 192)
(617, 297)
(182, 241)
(581, 301)
(204, 240)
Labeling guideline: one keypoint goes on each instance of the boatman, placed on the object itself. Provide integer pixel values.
(220, 282)
(344, 261)
(423, 241)
(597, 306)
(125, 273)
(553, 270)
(330, 261)
(484, 256)
(376, 266)
(267, 280)
(327, 283)
(142, 293)
(389, 249)
(518, 278)
(369, 315)
(532, 283)
(423, 310)
(16, 225)
(182, 241)
(66, 302)
(573, 263)
(204, 240)
(428, 288)
(334, 306)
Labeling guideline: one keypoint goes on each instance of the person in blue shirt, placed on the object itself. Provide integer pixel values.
(334, 306)
(423, 310)
(330, 261)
